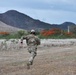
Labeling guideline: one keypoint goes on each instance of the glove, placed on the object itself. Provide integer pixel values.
(21, 42)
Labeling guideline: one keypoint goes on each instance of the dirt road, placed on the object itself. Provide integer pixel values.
(49, 61)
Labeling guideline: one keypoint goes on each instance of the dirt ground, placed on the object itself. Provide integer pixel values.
(49, 61)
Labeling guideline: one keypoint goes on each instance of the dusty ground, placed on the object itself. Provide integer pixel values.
(49, 61)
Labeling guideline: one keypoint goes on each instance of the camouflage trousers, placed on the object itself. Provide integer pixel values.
(33, 51)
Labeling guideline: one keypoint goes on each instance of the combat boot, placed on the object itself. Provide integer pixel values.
(28, 66)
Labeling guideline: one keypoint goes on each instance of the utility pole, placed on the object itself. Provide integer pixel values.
(68, 29)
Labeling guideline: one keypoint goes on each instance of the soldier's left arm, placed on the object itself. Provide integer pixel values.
(38, 41)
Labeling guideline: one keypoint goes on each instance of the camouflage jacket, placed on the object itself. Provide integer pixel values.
(31, 39)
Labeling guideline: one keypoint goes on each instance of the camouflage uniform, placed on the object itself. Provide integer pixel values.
(32, 43)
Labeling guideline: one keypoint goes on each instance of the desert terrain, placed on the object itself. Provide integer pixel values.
(50, 60)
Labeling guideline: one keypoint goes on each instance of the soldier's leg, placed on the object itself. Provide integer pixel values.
(32, 51)
(31, 59)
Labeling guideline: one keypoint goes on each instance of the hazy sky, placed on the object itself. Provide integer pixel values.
(50, 11)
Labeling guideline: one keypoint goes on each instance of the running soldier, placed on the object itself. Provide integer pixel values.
(32, 42)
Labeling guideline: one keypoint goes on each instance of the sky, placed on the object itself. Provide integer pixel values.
(49, 11)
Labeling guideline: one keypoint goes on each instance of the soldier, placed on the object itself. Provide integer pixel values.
(32, 42)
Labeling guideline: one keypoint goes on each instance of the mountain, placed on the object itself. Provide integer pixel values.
(66, 24)
(4, 27)
(19, 20)
(63, 26)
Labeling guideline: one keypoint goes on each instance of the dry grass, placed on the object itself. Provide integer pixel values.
(49, 61)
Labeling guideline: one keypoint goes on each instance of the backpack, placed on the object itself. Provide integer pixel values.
(32, 40)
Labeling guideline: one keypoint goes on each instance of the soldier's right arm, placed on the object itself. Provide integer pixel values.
(22, 38)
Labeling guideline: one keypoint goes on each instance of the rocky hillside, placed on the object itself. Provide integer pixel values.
(4, 27)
